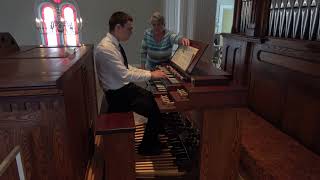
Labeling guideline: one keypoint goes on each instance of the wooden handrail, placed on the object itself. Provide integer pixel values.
(13, 155)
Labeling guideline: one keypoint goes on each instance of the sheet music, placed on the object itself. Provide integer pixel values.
(184, 56)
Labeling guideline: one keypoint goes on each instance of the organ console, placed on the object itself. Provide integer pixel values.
(194, 99)
(185, 67)
(171, 93)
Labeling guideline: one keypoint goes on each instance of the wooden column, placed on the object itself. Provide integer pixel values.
(117, 130)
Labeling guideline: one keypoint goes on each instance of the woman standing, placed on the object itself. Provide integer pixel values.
(156, 46)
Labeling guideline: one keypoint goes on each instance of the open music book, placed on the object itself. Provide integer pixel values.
(184, 56)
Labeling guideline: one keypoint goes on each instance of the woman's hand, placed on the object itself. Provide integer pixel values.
(185, 41)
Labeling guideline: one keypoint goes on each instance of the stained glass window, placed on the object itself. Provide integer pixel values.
(59, 22)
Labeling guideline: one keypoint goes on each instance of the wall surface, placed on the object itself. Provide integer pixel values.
(223, 21)
(194, 19)
(205, 13)
(198, 21)
(17, 17)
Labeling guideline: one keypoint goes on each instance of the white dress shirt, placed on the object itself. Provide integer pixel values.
(112, 72)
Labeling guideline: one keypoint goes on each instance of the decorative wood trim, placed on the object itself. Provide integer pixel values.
(30, 92)
(51, 120)
(290, 63)
(244, 38)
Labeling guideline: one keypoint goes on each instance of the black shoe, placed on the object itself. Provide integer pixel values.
(149, 149)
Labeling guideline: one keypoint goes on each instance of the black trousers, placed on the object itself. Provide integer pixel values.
(134, 98)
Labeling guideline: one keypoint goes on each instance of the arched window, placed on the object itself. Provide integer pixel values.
(59, 22)
(50, 31)
(71, 30)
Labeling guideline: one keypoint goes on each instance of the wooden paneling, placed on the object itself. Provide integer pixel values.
(76, 113)
(214, 113)
(31, 130)
(292, 63)
(236, 58)
(30, 70)
(284, 88)
(44, 108)
(284, 84)
(220, 144)
(217, 96)
(301, 116)
(266, 97)
(119, 158)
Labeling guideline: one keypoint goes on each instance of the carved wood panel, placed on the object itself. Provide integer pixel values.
(284, 88)
(236, 59)
(77, 114)
(220, 142)
(32, 127)
(90, 90)
(301, 116)
(51, 122)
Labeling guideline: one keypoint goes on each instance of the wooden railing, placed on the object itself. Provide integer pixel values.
(13, 155)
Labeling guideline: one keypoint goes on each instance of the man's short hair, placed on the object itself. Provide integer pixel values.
(119, 18)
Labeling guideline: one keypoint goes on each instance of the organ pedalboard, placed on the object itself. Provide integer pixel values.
(184, 137)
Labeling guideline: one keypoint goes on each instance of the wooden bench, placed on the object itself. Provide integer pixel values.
(117, 132)
(268, 153)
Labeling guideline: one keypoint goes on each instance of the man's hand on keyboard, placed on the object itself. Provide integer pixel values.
(157, 74)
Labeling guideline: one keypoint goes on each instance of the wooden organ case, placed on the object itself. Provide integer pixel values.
(200, 105)
(274, 51)
(47, 107)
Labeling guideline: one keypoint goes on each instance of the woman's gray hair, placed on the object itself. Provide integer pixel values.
(156, 17)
